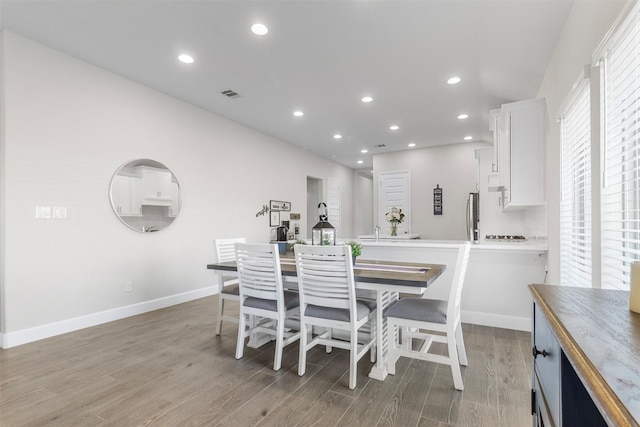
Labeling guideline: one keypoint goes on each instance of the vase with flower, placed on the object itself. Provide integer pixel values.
(395, 216)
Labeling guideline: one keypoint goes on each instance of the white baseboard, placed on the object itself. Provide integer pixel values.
(497, 320)
(36, 333)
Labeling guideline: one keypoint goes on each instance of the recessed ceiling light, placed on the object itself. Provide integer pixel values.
(413, 144)
(259, 29)
(187, 59)
(337, 136)
(454, 80)
(468, 138)
(364, 150)
(360, 162)
(463, 116)
(298, 113)
(394, 127)
(367, 99)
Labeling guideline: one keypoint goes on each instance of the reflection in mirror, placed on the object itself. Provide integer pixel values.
(145, 195)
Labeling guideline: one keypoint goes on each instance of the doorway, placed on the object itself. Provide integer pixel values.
(314, 197)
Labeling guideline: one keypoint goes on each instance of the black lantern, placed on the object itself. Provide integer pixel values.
(323, 233)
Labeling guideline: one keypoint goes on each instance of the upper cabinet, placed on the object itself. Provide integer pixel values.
(518, 165)
(156, 184)
(127, 195)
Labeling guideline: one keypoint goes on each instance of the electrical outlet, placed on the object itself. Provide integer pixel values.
(128, 286)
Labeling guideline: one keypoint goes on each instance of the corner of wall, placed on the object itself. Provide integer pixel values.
(2, 180)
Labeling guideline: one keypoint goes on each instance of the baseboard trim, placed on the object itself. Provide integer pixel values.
(37, 333)
(496, 320)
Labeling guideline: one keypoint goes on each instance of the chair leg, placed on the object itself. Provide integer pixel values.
(462, 352)
(302, 355)
(372, 336)
(329, 349)
(353, 360)
(392, 354)
(453, 361)
(220, 311)
(241, 335)
(277, 361)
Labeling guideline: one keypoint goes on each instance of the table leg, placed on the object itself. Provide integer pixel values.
(383, 336)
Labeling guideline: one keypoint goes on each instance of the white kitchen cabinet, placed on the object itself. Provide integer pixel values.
(174, 209)
(156, 185)
(519, 147)
(127, 195)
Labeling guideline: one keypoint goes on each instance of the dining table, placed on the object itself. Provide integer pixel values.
(381, 281)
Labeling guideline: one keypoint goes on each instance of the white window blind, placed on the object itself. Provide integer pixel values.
(620, 202)
(575, 206)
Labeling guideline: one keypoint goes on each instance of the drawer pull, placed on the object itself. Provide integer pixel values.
(536, 352)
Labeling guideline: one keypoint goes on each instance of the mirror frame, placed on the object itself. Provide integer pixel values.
(156, 212)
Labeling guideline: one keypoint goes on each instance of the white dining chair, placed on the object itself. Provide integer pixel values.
(431, 320)
(263, 298)
(328, 300)
(229, 291)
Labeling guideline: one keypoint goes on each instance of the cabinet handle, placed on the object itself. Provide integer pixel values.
(536, 352)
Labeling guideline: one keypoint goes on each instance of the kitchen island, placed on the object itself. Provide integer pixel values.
(495, 292)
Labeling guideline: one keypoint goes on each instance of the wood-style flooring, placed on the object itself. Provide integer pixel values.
(168, 368)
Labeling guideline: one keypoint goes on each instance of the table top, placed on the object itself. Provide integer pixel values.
(369, 271)
(601, 338)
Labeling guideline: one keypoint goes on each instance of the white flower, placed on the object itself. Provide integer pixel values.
(395, 215)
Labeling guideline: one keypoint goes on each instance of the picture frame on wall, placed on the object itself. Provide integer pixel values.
(277, 205)
(274, 219)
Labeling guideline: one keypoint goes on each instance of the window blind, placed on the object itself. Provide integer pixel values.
(620, 200)
(575, 206)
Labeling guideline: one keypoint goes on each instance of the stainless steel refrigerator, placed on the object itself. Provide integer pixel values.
(473, 217)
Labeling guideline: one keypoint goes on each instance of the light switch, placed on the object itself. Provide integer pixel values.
(43, 212)
(59, 212)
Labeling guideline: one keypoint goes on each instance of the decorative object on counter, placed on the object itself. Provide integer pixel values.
(634, 287)
(356, 250)
(145, 195)
(395, 217)
(323, 233)
(437, 200)
(263, 211)
(274, 219)
(297, 242)
(277, 205)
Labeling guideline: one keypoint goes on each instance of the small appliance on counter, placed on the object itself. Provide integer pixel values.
(473, 217)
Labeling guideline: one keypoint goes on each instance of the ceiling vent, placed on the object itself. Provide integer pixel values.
(230, 93)
(380, 146)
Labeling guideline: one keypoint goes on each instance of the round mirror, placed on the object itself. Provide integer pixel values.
(145, 195)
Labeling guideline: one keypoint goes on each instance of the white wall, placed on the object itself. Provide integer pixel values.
(68, 127)
(586, 27)
(363, 203)
(453, 167)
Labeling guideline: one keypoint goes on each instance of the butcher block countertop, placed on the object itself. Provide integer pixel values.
(601, 338)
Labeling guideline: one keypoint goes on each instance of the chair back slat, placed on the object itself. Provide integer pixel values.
(225, 249)
(325, 276)
(259, 271)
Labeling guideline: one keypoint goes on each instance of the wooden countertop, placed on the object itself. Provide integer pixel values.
(601, 338)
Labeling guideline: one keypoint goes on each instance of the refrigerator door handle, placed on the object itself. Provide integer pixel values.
(469, 217)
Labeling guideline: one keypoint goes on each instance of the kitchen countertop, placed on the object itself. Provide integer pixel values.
(483, 245)
(601, 338)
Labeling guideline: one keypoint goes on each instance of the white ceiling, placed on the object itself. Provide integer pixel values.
(319, 56)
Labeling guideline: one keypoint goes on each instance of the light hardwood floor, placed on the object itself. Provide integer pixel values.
(168, 368)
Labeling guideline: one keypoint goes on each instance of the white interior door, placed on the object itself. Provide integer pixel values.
(394, 191)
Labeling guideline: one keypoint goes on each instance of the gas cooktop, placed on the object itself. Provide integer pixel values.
(505, 237)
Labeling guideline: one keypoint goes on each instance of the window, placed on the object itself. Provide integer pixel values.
(620, 200)
(575, 205)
